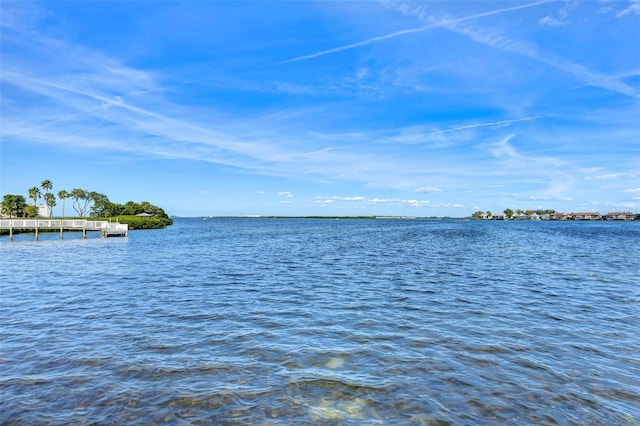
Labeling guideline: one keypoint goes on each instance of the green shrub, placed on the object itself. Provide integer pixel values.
(141, 222)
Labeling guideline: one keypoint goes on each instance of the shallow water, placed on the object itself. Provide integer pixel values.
(287, 321)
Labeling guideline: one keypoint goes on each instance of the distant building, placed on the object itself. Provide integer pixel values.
(552, 215)
(587, 216)
(44, 210)
(620, 216)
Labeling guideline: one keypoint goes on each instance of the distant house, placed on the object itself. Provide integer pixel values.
(144, 214)
(620, 216)
(44, 210)
(499, 216)
(523, 216)
(559, 216)
(587, 216)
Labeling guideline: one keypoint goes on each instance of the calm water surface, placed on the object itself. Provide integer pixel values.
(285, 321)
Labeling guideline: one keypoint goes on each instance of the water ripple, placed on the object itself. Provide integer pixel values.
(324, 322)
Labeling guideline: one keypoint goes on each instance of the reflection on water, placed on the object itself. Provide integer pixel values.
(264, 321)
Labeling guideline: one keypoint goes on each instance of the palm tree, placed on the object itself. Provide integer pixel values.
(63, 195)
(35, 194)
(47, 186)
(50, 200)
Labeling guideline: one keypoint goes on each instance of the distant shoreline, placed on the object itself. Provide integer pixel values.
(322, 217)
(375, 217)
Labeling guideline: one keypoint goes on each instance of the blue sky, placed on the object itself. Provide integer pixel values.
(325, 108)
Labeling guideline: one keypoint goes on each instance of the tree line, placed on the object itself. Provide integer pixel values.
(84, 203)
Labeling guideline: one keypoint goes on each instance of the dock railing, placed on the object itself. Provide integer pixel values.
(107, 229)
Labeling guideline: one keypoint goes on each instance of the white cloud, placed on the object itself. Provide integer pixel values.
(285, 194)
(362, 73)
(551, 21)
(414, 203)
(632, 190)
(427, 189)
(348, 198)
(607, 176)
(331, 200)
(632, 9)
(500, 149)
(563, 12)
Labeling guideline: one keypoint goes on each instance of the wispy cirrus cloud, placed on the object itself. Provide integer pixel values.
(529, 50)
(449, 136)
(631, 10)
(84, 99)
(552, 177)
(551, 21)
(87, 99)
(606, 176)
(487, 124)
(410, 30)
(501, 149)
(498, 41)
(561, 16)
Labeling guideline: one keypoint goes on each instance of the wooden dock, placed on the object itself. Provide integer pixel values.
(106, 229)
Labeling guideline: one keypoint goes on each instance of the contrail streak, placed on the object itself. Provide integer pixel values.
(358, 44)
(494, 123)
(410, 31)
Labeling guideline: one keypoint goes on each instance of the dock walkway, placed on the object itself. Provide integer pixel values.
(107, 229)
